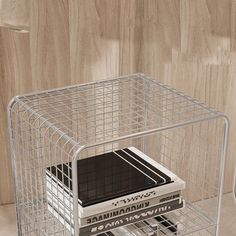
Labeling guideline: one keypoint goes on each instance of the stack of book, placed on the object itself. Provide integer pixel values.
(114, 189)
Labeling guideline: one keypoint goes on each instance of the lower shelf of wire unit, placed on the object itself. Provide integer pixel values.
(190, 221)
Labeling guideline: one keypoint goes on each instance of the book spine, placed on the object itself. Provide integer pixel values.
(113, 213)
(128, 209)
(122, 220)
(131, 218)
(115, 203)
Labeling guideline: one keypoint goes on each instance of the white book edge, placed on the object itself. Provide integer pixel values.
(69, 226)
(117, 202)
(52, 200)
(154, 163)
(141, 154)
(178, 184)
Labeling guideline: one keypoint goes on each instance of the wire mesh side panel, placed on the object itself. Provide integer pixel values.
(193, 153)
(48, 128)
(36, 147)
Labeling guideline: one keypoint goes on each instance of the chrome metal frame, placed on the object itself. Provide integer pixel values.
(40, 111)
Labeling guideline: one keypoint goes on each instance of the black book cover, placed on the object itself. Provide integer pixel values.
(110, 175)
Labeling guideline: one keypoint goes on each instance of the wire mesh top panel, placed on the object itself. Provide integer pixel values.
(104, 111)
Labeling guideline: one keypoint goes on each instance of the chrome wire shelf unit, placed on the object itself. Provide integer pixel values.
(67, 124)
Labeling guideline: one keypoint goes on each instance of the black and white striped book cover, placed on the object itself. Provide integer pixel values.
(112, 180)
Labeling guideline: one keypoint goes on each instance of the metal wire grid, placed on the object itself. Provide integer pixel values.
(202, 143)
(191, 220)
(194, 154)
(48, 128)
(188, 221)
(79, 112)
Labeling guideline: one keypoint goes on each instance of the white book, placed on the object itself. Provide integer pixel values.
(131, 218)
(128, 175)
(102, 216)
(67, 200)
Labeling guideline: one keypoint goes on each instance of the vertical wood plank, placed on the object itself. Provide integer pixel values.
(161, 32)
(195, 30)
(130, 38)
(14, 13)
(94, 31)
(212, 84)
(49, 43)
(233, 27)
(15, 78)
(220, 16)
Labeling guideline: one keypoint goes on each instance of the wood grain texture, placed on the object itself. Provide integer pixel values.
(201, 39)
(49, 44)
(233, 27)
(94, 31)
(161, 32)
(130, 36)
(15, 78)
(188, 44)
(212, 84)
(14, 13)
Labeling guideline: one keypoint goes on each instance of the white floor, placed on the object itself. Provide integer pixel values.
(228, 222)
(7, 220)
(228, 216)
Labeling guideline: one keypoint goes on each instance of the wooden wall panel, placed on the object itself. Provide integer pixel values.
(130, 36)
(233, 29)
(213, 84)
(15, 78)
(188, 44)
(14, 13)
(205, 32)
(94, 36)
(105, 38)
(49, 44)
(190, 41)
(220, 16)
(203, 63)
(160, 32)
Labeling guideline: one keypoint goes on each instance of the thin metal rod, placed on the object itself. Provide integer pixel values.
(155, 130)
(222, 171)
(75, 190)
(13, 161)
(209, 109)
(75, 196)
(137, 75)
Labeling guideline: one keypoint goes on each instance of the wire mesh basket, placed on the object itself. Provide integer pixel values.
(59, 127)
